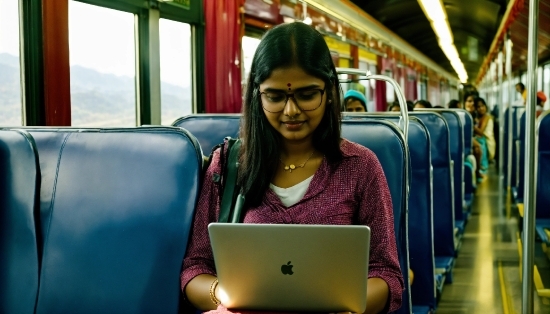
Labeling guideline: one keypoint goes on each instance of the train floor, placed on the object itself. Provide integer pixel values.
(486, 276)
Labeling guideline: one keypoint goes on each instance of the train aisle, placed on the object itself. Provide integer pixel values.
(486, 273)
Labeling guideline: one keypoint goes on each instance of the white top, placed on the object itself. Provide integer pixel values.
(293, 194)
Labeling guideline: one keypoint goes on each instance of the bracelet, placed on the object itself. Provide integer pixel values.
(213, 292)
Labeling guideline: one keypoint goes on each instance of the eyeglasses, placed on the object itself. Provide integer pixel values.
(306, 100)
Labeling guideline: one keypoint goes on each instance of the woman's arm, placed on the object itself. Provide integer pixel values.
(377, 295)
(198, 265)
(385, 285)
(197, 292)
(479, 130)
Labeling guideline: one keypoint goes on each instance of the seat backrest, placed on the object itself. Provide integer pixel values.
(210, 129)
(386, 140)
(521, 157)
(19, 256)
(119, 204)
(468, 129)
(443, 215)
(456, 133)
(420, 221)
(543, 173)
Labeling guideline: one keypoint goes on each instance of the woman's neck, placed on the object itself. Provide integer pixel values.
(297, 149)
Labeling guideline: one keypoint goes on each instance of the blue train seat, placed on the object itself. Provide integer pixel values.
(521, 157)
(382, 137)
(420, 221)
(543, 180)
(119, 205)
(19, 255)
(387, 142)
(468, 183)
(457, 155)
(201, 126)
(443, 215)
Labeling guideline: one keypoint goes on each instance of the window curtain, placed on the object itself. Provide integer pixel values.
(222, 56)
(381, 103)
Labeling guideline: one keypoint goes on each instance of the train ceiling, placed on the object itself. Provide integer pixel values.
(474, 25)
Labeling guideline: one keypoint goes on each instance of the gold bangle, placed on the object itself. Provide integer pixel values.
(213, 292)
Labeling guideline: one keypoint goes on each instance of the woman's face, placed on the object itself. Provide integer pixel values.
(481, 108)
(293, 122)
(469, 104)
(354, 105)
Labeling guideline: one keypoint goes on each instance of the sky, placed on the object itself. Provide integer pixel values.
(108, 46)
(9, 27)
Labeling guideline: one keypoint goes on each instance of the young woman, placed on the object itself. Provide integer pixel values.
(483, 131)
(295, 167)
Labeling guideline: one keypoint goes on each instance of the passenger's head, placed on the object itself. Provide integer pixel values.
(355, 101)
(541, 98)
(469, 103)
(292, 94)
(410, 105)
(520, 87)
(422, 104)
(395, 107)
(453, 104)
(481, 106)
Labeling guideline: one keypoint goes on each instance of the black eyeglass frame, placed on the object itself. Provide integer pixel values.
(288, 96)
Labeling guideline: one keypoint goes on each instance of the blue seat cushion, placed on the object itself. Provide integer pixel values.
(419, 309)
(460, 225)
(443, 263)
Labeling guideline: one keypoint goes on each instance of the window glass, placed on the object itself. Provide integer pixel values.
(102, 59)
(10, 82)
(249, 46)
(175, 70)
(367, 87)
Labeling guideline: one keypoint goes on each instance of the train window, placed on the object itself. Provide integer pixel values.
(175, 70)
(102, 59)
(368, 93)
(10, 89)
(249, 46)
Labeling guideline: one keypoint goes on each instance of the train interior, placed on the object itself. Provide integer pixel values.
(109, 108)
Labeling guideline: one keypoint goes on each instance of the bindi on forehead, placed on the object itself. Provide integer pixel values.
(289, 85)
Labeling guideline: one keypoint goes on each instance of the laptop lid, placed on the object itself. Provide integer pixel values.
(283, 267)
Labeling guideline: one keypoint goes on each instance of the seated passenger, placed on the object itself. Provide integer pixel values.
(396, 107)
(483, 130)
(422, 104)
(291, 140)
(469, 105)
(454, 104)
(541, 99)
(354, 101)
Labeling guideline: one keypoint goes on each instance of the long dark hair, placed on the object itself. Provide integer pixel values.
(284, 46)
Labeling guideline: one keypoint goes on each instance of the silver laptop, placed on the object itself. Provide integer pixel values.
(291, 267)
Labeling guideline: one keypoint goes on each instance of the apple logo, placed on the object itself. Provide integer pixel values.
(287, 269)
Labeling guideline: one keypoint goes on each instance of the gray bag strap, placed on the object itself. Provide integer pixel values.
(228, 213)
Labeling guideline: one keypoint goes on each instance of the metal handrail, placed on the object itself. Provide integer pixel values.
(530, 160)
(404, 124)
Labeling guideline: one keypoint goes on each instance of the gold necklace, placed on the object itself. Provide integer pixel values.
(291, 167)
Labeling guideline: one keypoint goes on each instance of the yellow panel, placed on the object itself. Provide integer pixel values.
(338, 46)
(367, 56)
(343, 63)
(520, 209)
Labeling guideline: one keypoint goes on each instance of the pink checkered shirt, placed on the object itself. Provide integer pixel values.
(354, 191)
